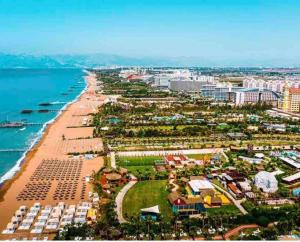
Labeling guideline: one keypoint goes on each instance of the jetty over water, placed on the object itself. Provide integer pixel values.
(12, 124)
(12, 150)
(29, 111)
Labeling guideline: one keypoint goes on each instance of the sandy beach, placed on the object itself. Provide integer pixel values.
(65, 135)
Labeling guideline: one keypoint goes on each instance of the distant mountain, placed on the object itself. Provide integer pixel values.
(100, 60)
(78, 61)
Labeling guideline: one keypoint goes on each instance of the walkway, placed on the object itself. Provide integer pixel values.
(238, 229)
(120, 198)
(113, 160)
(176, 187)
(235, 202)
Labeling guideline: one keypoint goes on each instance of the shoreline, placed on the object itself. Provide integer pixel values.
(16, 171)
(55, 145)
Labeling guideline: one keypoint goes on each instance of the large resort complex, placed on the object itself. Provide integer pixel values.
(165, 154)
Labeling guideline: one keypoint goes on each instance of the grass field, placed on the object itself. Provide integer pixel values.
(229, 209)
(138, 160)
(136, 169)
(146, 194)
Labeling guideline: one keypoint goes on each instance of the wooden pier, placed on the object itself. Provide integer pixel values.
(12, 150)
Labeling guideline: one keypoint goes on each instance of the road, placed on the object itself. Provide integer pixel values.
(238, 229)
(120, 198)
(235, 202)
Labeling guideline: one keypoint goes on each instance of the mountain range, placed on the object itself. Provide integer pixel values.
(104, 60)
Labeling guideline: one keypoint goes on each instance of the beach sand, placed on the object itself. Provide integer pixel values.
(50, 147)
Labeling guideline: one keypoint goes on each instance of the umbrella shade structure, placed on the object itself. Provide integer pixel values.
(11, 226)
(152, 212)
(16, 220)
(154, 209)
(37, 205)
(113, 177)
(23, 209)
(19, 214)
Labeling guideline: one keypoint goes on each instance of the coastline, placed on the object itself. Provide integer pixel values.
(56, 143)
(12, 174)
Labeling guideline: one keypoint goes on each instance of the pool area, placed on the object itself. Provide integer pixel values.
(113, 120)
(292, 153)
(296, 191)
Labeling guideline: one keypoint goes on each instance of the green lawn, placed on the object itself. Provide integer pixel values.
(138, 160)
(229, 209)
(146, 194)
(135, 169)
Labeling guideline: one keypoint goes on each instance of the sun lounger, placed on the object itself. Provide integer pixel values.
(80, 219)
(7, 231)
(81, 213)
(65, 221)
(37, 230)
(24, 226)
(10, 229)
(53, 220)
(52, 225)
(68, 216)
(45, 217)
(28, 220)
(40, 223)
(45, 213)
(34, 210)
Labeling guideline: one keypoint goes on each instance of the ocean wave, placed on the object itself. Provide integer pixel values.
(12, 172)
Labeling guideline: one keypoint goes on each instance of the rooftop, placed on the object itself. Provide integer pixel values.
(198, 185)
(294, 90)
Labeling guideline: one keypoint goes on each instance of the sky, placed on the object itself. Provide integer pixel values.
(210, 29)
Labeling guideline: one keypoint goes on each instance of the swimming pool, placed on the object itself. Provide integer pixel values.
(296, 191)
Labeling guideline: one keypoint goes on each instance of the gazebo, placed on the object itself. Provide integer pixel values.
(152, 212)
(113, 177)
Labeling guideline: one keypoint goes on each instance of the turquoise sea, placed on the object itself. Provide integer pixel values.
(25, 89)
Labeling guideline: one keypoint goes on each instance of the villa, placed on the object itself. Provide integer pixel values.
(177, 161)
(184, 206)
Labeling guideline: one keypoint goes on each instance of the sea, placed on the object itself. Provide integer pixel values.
(22, 89)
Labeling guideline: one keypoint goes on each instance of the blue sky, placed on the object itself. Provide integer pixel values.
(220, 29)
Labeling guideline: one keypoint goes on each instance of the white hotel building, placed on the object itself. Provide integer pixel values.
(273, 85)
